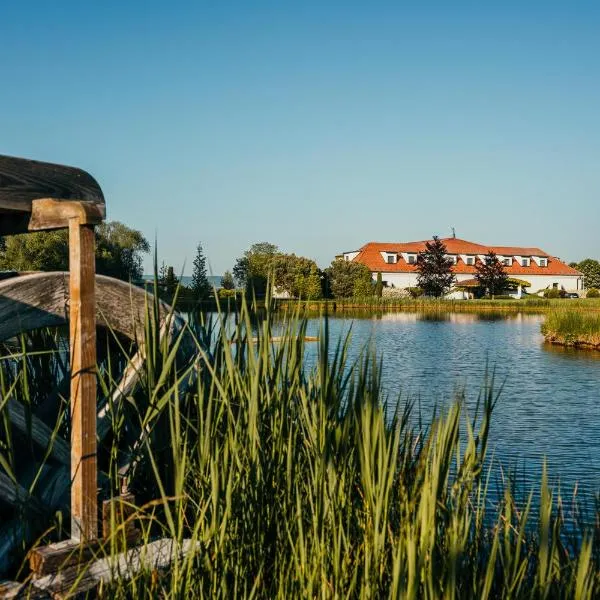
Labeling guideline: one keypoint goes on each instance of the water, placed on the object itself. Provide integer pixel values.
(550, 402)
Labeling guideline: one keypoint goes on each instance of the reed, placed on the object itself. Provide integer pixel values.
(292, 480)
(530, 304)
(572, 328)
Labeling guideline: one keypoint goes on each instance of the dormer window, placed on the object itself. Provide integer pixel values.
(451, 258)
(543, 262)
(507, 262)
(470, 261)
(525, 262)
(412, 259)
(391, 258)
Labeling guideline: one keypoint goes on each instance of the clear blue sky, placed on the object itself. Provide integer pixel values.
(317, 126)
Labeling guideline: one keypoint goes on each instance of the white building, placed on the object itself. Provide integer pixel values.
(397, 263)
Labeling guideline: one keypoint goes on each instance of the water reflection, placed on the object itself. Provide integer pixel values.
(549, 405)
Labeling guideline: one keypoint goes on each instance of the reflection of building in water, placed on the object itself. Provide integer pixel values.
(400, 317)
(463, 318)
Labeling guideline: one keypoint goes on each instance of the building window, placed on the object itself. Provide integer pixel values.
(470, 260)
(412, 259)
(506, 262)
(391, 259)
(525, 262)
(543, 262)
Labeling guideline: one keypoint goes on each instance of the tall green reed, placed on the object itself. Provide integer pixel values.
(292, 481)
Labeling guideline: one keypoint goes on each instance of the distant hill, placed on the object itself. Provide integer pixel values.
(214, 280)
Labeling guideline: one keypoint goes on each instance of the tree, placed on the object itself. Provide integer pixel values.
(491, 274)
(227, 282)
(591, 271)
(313, 289)
(295, 274)
(347, 279)
(170, 282)
(40, 251)
(435, 276)
(379, 285)
(200, 283)
(119, 251)
(252, 270)
(241, 270)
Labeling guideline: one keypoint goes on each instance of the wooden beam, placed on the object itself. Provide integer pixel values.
(82, 332)
(50, 213)
(154, 556)
(22, 181)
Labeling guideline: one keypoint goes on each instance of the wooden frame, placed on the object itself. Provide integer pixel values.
(37, 196)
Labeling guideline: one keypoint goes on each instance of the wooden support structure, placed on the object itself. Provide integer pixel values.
(82, 336)
(38, 196)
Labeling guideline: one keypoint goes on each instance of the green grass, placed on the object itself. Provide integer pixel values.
(293, 483)
(572, 328)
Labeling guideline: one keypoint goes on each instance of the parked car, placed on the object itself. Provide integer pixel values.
(571, 295)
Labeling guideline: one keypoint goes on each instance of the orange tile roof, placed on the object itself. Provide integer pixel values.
(370, 255)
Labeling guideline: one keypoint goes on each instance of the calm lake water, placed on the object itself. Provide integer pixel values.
(550, 402)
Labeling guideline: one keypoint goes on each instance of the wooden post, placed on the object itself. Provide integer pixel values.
(82, 329)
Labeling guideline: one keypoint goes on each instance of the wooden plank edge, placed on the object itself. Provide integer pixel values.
(155, 556)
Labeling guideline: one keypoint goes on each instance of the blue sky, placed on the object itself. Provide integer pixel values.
(317, 126)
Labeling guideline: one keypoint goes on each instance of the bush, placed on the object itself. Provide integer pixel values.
(504, 297)
(554, 293)
(415, 292)
(592, 293)
(223, 293)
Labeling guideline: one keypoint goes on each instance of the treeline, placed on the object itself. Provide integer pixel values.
(119, 251)
(297, 276)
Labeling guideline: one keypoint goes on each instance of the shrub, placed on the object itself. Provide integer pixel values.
(415, 292)
(503, 297)
(592, 293)
(553, 293)
(223, 293)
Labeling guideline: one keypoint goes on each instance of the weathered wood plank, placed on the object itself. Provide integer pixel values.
(82, 334)
(23, 180)
(157, 555)
(61, 555)
(37, 300)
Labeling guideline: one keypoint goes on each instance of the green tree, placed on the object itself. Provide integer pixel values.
(252, 270)
(40, 251)
(491, 274)
(119, 251)
(591, 271)
(291, 274)
(347, 279)
(170, 282)
(313, 289)
(435, 276)
(379, 285)
(200, 283)
(227, 282)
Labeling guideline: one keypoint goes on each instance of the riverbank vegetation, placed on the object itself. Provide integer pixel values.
(572, 328)
(373, 305)
(292, 480)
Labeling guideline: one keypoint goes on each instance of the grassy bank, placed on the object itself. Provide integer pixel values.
(374, 305)
(292, 482)
(572, 328)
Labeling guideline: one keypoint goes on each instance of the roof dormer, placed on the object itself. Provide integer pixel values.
(389, 257)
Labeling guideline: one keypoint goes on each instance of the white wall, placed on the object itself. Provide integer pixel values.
(538, 282)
